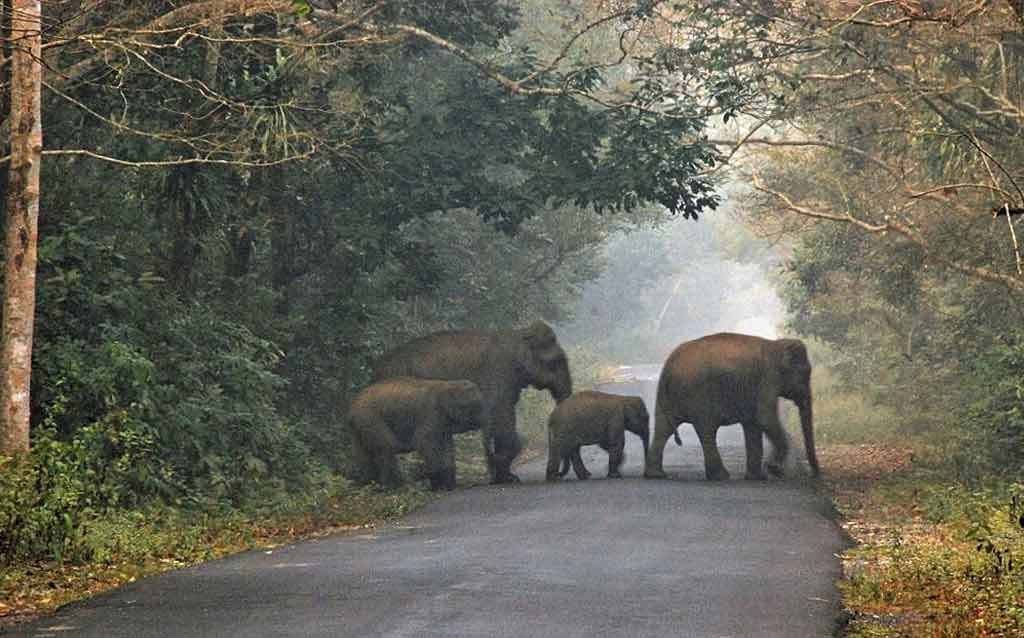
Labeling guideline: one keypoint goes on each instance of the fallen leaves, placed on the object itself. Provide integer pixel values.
(910, 576)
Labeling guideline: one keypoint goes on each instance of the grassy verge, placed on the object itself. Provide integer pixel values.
(129, 545)
(934, 557)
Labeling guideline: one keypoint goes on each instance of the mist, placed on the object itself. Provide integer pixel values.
(677, 281)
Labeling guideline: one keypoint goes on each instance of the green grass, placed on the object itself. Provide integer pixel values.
(129, 544)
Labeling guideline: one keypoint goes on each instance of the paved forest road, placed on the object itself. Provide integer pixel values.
(679, 557)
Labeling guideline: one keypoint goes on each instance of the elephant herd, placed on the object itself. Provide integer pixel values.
(426, 391)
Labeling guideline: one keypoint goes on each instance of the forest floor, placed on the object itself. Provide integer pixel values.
(932, 557)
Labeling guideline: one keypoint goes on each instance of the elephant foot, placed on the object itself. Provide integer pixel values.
(552, 477)
(442, 480)
(584, 476)
(755, 476)
(505, 477)
(615, 475)
(775, 469)
(654, 474)
(717, 474)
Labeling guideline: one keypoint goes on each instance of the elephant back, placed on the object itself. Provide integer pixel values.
(584, 408)
(442, 355)
(723, 369)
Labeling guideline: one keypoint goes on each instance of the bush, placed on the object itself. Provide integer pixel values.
(213, 401)
(181, 409)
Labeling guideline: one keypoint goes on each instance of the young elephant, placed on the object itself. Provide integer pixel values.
(589, 418)
(405, 414)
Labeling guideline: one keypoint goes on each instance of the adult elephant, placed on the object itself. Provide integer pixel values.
(594, 418)
(404, 414)
(731, 378)
(501, 363)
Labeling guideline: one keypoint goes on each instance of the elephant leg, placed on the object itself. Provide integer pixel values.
(378, 444)
(388, 474)
(780, 448)
(616, 453)
(506, 449)
(582, 473)
(707, 432)
(488, 444)
(437, 449)
(663, 429)
(566, 465)
(506, 443)
(362, 464)
(754, 440)
(554, 460)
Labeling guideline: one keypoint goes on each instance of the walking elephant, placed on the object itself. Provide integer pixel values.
(594, 418)
(501, 363)
(404, 414)
(730, 378)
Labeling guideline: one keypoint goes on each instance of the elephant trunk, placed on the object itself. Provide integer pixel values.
(807, 425)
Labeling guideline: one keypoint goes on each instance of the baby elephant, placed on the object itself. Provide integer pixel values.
(403, 414)
(589, 418)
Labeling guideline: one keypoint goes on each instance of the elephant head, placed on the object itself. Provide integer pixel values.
(794, 369)
(543, 362)
(635, 419)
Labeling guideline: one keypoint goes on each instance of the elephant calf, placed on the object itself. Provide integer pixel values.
(593, 418)
(405, 414)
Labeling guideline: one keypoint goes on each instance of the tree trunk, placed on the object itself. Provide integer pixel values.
(22, 225)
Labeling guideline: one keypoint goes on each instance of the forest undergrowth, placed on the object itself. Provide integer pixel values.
(935, 556)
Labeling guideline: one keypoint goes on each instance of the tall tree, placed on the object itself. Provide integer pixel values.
(22, 224)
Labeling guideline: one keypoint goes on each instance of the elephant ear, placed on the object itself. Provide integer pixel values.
(794, 354)
(465, 393)
(540, 339)
(641, 409)
(633, 409)
(539, 336)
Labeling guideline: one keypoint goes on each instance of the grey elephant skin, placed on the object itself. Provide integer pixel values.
(404, 414)
(502, 364)
(729, 378)
(593, 418)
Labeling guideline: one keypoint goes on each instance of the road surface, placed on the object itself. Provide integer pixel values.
(631, 557)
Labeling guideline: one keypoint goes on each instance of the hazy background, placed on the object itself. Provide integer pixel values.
(676, 280)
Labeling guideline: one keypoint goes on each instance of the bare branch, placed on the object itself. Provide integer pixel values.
(177, 161)
(1015, 284)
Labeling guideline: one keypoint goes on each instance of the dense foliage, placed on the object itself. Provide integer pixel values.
(245, 203)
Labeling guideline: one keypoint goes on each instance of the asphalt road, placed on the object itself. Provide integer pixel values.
(678, 557)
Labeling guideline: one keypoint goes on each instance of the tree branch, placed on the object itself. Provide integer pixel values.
(1015, 284)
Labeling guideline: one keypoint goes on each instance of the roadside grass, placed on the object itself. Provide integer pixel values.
(935, 557)
(128, 545)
